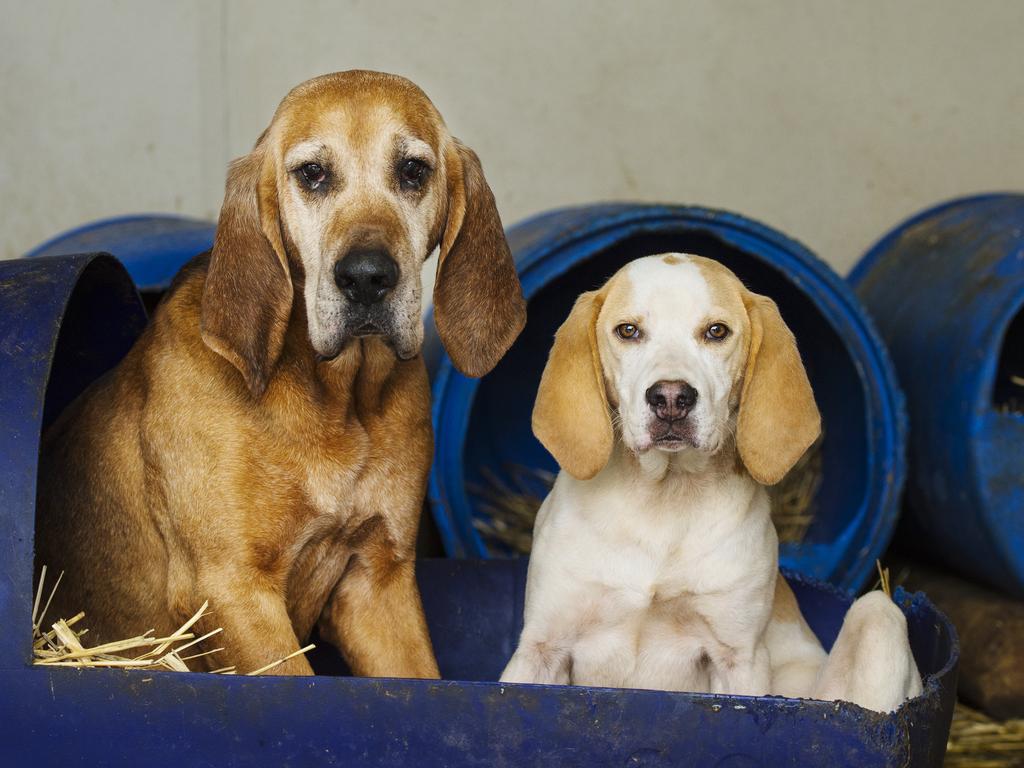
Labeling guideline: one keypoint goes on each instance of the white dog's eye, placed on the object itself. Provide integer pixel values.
(716, 332)
(628, 331)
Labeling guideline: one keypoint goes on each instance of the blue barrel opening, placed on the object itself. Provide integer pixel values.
(482, 428)
(101, 322)
(1008, 388)
(946, 288)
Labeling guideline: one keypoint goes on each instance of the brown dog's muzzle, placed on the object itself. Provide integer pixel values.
(374, 295)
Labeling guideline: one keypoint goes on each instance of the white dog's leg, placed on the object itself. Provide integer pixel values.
(741, 672)
(871, 663)
(797, 658)
(538, 662)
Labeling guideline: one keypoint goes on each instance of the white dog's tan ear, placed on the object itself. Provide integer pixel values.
(778, 418)
(571, 416)
(478, 302)
(247, 298)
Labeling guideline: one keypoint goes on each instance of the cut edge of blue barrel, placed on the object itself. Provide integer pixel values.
(151, 246)
(609, 223)
(48, 286)
(1001, 566)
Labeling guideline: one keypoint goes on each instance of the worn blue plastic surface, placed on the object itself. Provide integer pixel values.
(153, 247)
(486, 423)
(92, 299)
(107, 717)
(946, 289)
(63, 321)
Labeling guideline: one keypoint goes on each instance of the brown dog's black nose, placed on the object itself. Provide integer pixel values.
(671, 400)
(366, 277)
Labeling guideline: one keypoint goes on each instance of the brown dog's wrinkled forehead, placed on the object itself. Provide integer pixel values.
(361, 92)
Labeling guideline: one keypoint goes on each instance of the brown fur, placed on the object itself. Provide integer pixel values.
(465, 294)
(571, 416)
(222, 460)
(778, 418)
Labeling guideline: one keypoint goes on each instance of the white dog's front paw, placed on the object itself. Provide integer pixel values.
(537, 663)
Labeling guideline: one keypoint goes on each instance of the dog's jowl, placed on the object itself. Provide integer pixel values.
(671, 397)
(265, 444)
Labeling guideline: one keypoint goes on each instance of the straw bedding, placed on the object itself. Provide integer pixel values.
(1014, 402)
(62, 646)
(509, 506)
(978, 741)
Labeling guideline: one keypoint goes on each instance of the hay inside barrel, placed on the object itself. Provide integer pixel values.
(508, 506)
(1010, 394)
(978, 741)
(62, 646)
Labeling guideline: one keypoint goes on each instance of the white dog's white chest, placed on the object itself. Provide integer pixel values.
(645, 628)
(648, 597)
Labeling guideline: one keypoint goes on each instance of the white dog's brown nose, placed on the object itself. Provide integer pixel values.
(671, 400)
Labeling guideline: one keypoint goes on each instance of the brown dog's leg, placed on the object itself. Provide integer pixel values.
(257, 629)
(375, 618)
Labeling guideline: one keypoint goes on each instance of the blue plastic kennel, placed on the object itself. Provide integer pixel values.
(63, 322)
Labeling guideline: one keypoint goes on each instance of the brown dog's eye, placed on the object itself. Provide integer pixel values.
(412, 174)
(313, 174)
(716, 332)
(628, 331)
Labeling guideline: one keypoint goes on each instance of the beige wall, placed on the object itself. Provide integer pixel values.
(829, 120)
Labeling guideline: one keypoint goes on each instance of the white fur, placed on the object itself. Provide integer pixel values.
(670, 303)
(660, 571)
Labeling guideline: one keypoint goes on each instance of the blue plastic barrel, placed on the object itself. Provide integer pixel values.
(946, 289)
(483, 426)
(153, 247)
(63, 322)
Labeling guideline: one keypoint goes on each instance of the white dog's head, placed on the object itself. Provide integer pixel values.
(674, 354)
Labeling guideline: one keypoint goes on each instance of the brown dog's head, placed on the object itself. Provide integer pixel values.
(346, 193)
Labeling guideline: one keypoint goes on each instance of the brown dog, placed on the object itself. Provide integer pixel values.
(265, 444)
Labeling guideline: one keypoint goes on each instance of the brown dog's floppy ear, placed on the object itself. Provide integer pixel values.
(478, 302)
(248, 294)
(571, 416)
(778, 418)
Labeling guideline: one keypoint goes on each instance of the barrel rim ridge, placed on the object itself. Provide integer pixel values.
(874, 253)
(100, 223)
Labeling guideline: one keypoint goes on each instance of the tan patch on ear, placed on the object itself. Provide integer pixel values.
(778, 417)
(571, 416)
(478, 302)
(247, 297)
(671, 258)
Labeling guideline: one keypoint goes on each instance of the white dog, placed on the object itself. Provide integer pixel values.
(671, 397)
